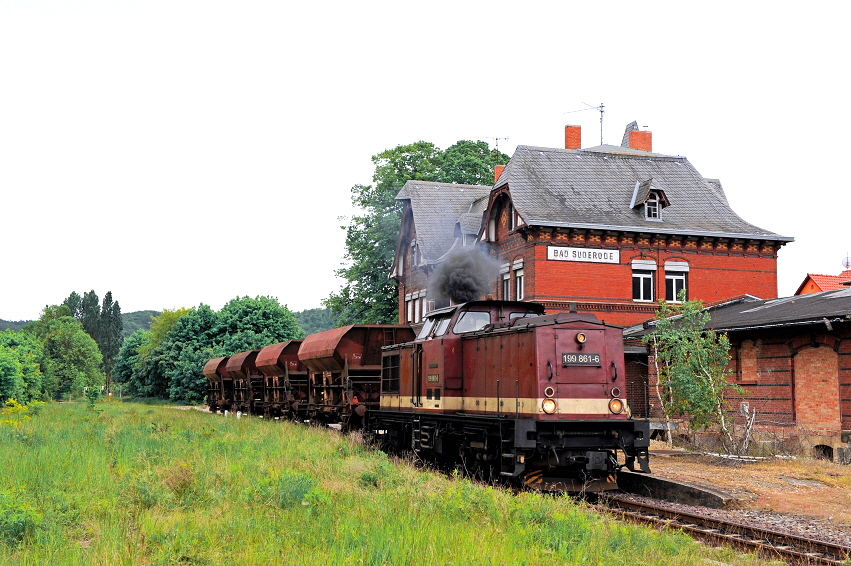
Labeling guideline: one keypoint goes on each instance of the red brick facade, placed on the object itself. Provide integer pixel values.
(719, 268)
(798, 379)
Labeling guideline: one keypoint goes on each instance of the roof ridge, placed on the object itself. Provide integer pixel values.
(616, 150)
(419, 182)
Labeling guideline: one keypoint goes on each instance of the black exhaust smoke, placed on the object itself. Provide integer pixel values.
(465, 275)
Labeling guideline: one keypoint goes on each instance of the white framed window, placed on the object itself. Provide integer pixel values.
(510, 211)
(643, 277)
(409, 308)
(676, 277)
(519, 293)
(506, 286)
(674, 283)
(651, 206)
(642, 285)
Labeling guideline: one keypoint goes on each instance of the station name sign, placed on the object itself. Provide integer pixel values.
(583, 254)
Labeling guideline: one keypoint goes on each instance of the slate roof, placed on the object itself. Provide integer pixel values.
(437, 208)
(592, 189)
(751, 313)
(828, 282)
(471, 222)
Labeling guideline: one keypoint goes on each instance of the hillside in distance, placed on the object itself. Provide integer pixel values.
(13, 325)
(132, 322)
(310, 320)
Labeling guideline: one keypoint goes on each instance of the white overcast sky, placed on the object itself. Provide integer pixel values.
(181, 152)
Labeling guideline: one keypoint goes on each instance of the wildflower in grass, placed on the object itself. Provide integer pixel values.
(13, 413)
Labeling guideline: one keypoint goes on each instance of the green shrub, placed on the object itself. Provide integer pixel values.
(18, 519)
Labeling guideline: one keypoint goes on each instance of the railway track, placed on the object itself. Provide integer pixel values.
(770, 544)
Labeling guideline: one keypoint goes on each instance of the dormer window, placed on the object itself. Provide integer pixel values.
(651, 206)
(651, 197)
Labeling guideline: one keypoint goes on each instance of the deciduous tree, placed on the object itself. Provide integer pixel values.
(368, 295)
(691, 362)
(75, 303)
(124, 369)
(20, 374)
(70, 358)
(168, 360)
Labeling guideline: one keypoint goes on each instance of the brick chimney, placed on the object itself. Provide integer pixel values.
(572, 137)
(497, 171)
(642, 141)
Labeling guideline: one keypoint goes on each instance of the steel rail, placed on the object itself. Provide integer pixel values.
(771, 544)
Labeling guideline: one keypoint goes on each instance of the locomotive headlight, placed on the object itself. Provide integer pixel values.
(581, 338)
(549, 406)
(616, 406)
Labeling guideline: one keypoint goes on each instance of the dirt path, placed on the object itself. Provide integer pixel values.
(806, 487)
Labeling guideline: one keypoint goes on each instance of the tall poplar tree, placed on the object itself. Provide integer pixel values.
(102, 321)
(110, 328)
(90, 313)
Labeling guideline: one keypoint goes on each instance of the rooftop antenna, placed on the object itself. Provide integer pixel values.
(497, 141)
(601, 108)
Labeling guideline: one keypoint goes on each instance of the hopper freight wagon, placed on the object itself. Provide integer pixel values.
(344, 370)
(285, 387)
(247, 382)
(219, 385)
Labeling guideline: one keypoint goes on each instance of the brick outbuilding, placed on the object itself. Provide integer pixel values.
(792, 357)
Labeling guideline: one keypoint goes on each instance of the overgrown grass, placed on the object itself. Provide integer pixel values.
(138, 484)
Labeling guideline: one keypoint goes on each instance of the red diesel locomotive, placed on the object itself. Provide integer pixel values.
(494, 387)
(500, 388)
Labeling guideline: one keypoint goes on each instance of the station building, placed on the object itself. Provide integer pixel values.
(607, 230)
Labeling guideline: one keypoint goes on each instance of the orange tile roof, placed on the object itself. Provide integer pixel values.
(827, 282)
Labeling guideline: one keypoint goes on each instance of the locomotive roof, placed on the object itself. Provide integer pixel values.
(557, 318)
(471, 305)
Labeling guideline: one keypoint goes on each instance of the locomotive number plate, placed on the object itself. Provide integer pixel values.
(569, 359)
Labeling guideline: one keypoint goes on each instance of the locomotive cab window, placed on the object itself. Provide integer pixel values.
(426, 329)
(471, 321)
(434, 327)
(442, 325)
